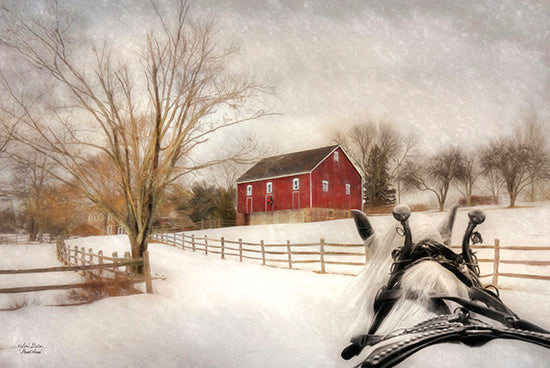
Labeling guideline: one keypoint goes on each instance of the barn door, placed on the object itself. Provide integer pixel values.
(269, 205)
(295, 200)
(249, 205)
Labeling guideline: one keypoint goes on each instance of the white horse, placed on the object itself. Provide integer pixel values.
(431, 310)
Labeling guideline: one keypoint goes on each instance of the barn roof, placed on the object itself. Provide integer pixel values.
(287, 164)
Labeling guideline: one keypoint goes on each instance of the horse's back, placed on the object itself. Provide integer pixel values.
(496, 353)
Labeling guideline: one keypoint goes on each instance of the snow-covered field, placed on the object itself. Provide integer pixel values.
(209, 312)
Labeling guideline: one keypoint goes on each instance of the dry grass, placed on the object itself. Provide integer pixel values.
(100, 289)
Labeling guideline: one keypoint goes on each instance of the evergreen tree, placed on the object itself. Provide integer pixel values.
(377, 179)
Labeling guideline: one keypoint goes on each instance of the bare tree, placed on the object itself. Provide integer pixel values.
(521, 160)
(435, 175)
(27, 185)
(469, 171)
(519, 164)
(494, 182)
(145, 117)
(532, 135)
(368, 136)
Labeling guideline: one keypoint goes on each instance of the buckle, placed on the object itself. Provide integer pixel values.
(511, 321)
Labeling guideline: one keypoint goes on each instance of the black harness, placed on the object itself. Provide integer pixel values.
(456, 326)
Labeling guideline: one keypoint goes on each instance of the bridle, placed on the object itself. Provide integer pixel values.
(459, 325)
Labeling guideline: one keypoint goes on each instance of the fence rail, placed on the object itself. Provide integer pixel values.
(340, 258)
(95, 267)
(25, 238)
(116, 271)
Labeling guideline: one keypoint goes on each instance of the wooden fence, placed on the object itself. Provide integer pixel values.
(288, 255)
(24, 238)
(347, 259)
(102, 270)
(497, 261)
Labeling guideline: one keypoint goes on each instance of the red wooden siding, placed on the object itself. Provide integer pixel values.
(338, 174)
(282, 194)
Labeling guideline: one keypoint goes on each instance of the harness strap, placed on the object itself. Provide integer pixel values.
(507, 319)
(495, 310)
(470, 333)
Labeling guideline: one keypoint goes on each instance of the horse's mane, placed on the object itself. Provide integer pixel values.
(421, 279)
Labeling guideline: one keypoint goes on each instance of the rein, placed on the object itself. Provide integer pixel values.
(456, 326)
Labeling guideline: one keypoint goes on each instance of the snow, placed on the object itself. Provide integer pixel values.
(209, 312)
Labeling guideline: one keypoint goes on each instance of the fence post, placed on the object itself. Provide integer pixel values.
(322, 254)
(263, 251)
(496, 261)
(65, 255)
(223, 248)
(127, 269)
(83, 256)
(183, 241)
(205, 245)
(240, 250)
(91, 261)
(147, 272)
(193, 241)
(76, 255)
(115, 268)
(289, 254)
(366, 253)
(100, 256)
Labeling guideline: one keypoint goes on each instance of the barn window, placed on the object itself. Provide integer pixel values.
(120, 230)
(249, 190)
(269, 188)
(325, 186)
(295, 184)
(336, 156)
(348, 189)
(109, 230)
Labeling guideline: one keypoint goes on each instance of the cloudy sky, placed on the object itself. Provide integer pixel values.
(453, 71)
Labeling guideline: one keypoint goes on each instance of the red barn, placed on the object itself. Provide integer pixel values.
(314, 185)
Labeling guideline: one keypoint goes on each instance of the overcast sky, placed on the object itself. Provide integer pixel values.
(453, 71)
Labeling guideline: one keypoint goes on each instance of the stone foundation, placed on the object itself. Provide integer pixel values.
(292, 216)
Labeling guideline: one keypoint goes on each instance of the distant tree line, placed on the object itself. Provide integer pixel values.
(517, 163)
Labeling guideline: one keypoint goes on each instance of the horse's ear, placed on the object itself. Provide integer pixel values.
(362, 223)
(446, 227)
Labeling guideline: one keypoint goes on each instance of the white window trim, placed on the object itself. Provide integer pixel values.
(296, 184)
(325, 185)
(249, 190)
(336, 156)
(269, 187)
(348, 189)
